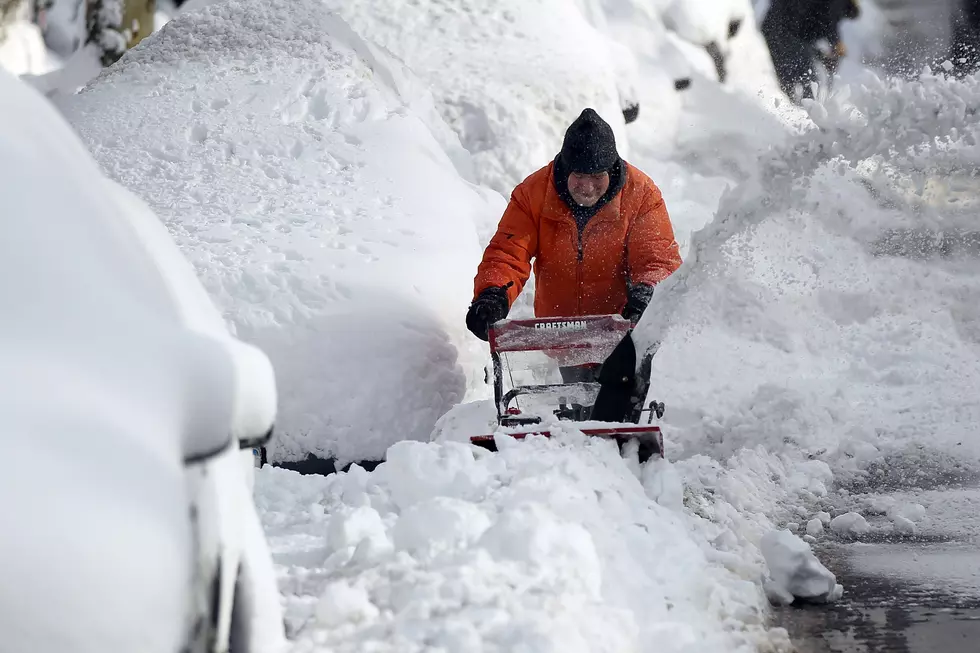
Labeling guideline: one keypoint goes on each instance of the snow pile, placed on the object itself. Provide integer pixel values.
(289, 160)
(548, 545)
(807, 335)
(509, 76)
(795, 573)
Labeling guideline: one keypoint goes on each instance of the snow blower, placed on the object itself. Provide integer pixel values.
(581, 370)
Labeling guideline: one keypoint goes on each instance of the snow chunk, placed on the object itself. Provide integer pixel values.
(530, 534)
(442, 523)
(903, 525)
(663, 484)
(814, 527)
(795, 572)
(342, 603)
(850, 524)
(913, 512)
(347, 530)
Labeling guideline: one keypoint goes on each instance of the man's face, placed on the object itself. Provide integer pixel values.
(586, 190)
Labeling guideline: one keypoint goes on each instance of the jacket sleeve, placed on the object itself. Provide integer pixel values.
(508, 256)
(652, 252)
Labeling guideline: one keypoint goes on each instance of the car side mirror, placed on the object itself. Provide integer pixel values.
(255, 395)
(256, 442)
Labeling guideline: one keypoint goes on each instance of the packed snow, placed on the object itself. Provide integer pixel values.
(850, 524)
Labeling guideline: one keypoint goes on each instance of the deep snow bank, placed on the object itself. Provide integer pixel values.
(796, 338)
(289, 159)
(508, 75)
(544, 546)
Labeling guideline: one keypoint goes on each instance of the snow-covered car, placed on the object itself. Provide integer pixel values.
(129, 418)
(508, 76)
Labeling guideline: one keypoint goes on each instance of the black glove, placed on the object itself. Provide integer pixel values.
(490, 306)
(637, 298)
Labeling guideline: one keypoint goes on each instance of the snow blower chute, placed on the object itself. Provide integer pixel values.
(582, 370)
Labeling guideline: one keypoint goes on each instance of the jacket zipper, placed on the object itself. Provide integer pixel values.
(578, 285)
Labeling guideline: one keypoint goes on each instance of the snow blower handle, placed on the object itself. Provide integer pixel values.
(489, 307)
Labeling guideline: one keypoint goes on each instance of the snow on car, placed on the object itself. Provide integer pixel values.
(507, 75)
(126, 405)
(308, 177)
(268, 135)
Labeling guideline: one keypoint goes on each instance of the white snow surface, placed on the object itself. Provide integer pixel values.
(101, 379)
(795, 573)
(793, 350)
(295, 165)
(850, 524)
(549, 545)
(507, 75)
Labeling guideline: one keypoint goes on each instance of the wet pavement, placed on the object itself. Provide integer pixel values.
(888, 614)
(901, 595)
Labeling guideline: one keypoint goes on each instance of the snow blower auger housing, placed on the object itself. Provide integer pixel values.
(582, 370)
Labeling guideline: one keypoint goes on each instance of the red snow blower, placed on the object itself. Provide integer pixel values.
(581, 370)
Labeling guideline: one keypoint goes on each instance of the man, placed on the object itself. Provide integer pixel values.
(795, 31)
(596, 226)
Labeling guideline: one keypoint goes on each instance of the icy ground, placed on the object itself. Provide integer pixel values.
(331, 212)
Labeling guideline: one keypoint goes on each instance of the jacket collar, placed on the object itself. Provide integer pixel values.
(558, 209)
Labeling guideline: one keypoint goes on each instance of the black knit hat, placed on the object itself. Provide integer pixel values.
(590, 145)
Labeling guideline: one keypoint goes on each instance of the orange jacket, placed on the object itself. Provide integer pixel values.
(630, 237)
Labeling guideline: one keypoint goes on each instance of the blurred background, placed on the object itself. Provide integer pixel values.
(61, 44)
